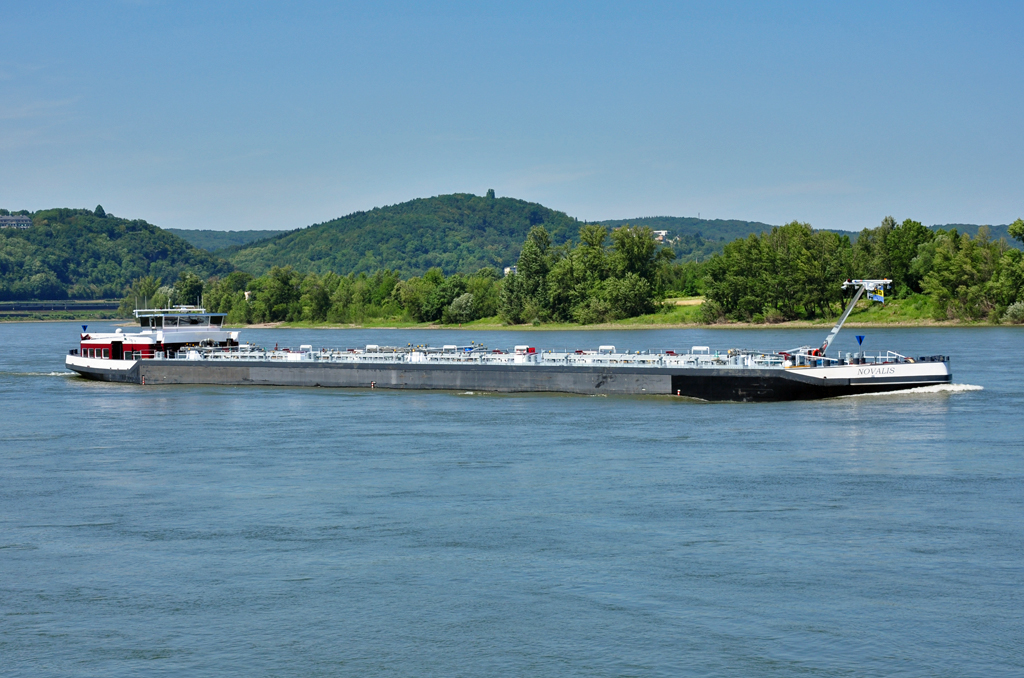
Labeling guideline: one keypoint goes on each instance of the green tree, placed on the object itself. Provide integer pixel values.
(459, 311)
(636, 251)
(412, 295)
(315, 297)
(484, 286)
(685, 279)
(566, 285)
(442, 296)
(534, 261)
(790, 272)
(902, 244)
(962, 276)
(221, 294)
(1017, 230)
(188, 290)
(138, 295)
(1010, 280)
(888, 252)
(524, 293)
(629, 296)
(575, 279)
(512, 300)
(276, 296)
(99, 212)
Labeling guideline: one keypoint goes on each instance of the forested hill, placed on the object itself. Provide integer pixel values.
(714, 229)
(994, 232)
(85, 254)
(457, 233)
(695, 239)
(212, 241)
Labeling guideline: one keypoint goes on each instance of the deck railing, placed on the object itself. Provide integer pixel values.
(735, 358)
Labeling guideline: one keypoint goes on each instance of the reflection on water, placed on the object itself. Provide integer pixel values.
(289, 531)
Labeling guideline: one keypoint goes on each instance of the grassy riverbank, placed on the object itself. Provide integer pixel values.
(684, 313)
(674, 313)
(65, 309)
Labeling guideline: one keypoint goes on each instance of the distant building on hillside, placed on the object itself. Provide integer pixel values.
(510, 269)
(16, 221)
(660, 235)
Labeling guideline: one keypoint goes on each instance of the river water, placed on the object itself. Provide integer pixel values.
(254, 531)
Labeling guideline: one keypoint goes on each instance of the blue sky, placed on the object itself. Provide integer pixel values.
(278, 115)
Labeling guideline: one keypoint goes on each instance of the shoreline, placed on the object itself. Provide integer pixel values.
(641, 323)
(677, 313)
(553, 327)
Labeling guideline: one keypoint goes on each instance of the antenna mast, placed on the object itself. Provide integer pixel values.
(862, 286)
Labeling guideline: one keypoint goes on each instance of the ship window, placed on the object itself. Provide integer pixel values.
(144, 321)
(106, 353)
(216, 320)
(92, 353)
(158, 321)
(170, 322)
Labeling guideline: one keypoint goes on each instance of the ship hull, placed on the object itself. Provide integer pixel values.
(754, 385)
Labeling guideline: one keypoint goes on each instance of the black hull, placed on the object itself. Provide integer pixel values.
(773, 389)
(743, 385)
(130, 376)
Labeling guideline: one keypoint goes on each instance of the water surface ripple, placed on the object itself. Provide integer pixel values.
(279, 531)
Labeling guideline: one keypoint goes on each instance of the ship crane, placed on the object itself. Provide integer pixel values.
(862, 286)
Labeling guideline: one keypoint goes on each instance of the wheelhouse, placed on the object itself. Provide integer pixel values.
(179, 317)
(163, 332)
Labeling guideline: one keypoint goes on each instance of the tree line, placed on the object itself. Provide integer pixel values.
(794, 272)
(790, 272)
(605, 275)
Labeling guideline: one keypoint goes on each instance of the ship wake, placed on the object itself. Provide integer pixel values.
(937, 388)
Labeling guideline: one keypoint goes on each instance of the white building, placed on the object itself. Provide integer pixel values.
(16, 221)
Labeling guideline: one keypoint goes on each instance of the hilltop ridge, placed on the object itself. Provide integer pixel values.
(460, 232)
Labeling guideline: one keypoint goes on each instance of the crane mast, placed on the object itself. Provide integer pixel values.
(862, 286)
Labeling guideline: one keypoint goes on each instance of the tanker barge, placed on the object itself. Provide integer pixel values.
(187, 345)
